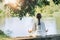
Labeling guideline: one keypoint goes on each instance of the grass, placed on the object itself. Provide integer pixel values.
(3, 36)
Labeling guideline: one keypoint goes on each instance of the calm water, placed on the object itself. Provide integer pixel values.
(52, 25)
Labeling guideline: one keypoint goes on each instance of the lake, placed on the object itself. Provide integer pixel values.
(53, 24)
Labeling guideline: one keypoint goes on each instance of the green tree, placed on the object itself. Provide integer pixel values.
(0, 0)
(56, 1)
(29, 7)
(41, 3)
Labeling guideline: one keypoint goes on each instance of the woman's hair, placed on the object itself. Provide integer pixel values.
(38, 16)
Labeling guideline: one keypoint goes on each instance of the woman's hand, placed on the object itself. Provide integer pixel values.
(30, 30)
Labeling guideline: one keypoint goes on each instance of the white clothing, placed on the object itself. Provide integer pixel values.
(41, 29)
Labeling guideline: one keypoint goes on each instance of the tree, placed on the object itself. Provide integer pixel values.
(28, 6)
(40, 3)
(56, 1)
(0, 0)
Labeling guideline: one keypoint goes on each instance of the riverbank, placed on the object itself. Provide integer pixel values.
(48, 37)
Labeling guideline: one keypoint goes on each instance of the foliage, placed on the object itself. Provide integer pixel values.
(40, 3)
(1, 13)
(2, 34)
(0, 0)
(56, 1)
(30, 6)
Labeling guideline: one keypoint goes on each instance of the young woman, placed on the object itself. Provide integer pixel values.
(41, 30)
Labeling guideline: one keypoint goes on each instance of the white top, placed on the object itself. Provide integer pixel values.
(41, 29)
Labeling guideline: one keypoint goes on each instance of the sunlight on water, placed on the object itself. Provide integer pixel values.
(15, 27)
(50, 24)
